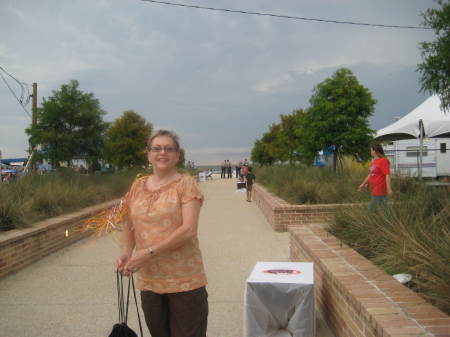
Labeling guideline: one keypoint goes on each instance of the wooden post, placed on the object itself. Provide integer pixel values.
(34, 105)
(33, 123)
(421, 127)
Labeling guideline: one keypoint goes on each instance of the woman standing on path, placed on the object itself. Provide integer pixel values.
(379, 177)
(160, 244)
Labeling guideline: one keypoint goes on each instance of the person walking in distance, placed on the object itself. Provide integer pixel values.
(160, 244)
(243, 172)
(238, 169)
(250, 178)
(379, 177)
(223, 167)
(7, 178)
(229, 169)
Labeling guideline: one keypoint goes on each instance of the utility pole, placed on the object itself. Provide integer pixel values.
(33, 123)
(31, 165)
(34, 105)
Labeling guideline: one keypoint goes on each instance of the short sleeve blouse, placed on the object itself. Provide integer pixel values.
(153, 216)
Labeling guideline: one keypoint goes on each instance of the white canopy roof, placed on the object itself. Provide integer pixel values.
(435, 121)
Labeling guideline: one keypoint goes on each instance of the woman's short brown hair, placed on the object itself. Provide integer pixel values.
(165, 133)
(378, 149)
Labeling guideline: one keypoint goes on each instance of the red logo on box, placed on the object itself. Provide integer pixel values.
(282, 271)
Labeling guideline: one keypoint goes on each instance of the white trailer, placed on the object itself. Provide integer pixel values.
(404, 157)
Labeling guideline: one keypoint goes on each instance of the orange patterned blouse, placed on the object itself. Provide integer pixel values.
(153, 216)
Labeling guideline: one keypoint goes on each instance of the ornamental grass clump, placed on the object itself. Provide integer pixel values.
(313, 185)
(409, 235)
(37, 197)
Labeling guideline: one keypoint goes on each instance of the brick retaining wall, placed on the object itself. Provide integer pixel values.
(355, 297)
(280, 214)
(21, 247)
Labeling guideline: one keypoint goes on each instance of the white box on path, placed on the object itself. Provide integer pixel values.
(279, 300)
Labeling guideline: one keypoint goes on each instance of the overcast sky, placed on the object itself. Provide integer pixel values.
(217, 79)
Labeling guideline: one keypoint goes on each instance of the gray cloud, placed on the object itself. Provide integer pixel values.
(218, 79)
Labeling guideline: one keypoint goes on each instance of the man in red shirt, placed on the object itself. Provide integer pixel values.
(379, 177)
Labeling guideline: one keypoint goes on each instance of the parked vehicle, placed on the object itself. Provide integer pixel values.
(404, 157)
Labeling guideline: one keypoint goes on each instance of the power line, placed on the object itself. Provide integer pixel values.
(20, 100)
(286, 16)
(22, 87)
(28, 99)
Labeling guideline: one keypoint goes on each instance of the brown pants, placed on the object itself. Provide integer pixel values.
(183, 314)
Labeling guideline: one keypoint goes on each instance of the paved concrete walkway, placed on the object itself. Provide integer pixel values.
(72, 292)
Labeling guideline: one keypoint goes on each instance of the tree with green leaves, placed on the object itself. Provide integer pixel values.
(126, 141)
(266, 150)
(291, 137)
(435, 69)
(182, 161)
(283, 141)
(69, 125)
(259, 154)
(338, 118)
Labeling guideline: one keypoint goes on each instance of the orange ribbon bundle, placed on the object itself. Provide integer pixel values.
(107, 221)
(110, 220)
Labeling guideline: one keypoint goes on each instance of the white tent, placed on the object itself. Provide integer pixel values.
(427, 120)
(436, 123)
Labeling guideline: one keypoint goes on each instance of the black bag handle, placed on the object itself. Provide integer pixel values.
(120, 304)
(135, 301)
(123, 310)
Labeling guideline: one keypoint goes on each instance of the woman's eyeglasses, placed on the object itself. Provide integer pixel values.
(166, 149)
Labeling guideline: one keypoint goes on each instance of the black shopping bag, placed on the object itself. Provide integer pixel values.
(121, 329)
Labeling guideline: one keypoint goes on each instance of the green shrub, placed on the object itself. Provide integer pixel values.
(11, 216)
(36, 197)
(410, 235)
(313, 185)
